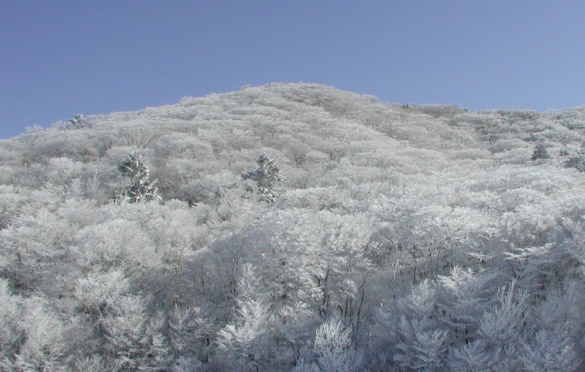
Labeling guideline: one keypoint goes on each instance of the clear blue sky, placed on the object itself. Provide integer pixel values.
(59, 58)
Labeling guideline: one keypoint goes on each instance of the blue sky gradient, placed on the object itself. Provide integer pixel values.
(59, 58)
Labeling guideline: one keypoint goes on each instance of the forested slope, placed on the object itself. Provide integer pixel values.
(402, 238)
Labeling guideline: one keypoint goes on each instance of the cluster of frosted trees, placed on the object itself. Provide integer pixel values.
(142, 189)
(424, 238)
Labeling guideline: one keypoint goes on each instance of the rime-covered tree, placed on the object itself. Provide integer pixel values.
(577, 161)
(141, 188)
(78, 121)
(540, 152)
(268, 178)
(244, 340)
(333, 348)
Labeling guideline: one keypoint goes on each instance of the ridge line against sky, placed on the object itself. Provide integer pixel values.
(60, 58)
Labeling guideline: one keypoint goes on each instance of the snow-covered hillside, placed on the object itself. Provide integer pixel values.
(402, 237)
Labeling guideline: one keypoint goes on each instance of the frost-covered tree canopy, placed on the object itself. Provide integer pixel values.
(407, 238)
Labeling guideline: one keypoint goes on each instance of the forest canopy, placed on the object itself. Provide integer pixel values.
(295, 227)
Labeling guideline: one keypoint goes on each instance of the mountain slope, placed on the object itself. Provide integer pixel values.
(434, 236)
